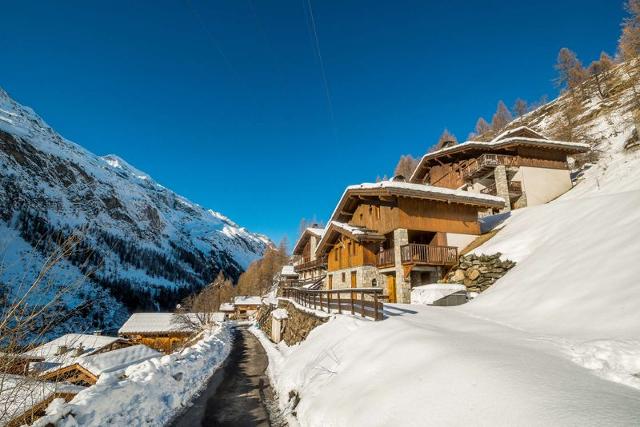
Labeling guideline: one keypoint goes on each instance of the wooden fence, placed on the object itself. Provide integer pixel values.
(367, 302)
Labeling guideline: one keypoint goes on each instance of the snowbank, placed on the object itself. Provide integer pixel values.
(428, 294)
(150, 393)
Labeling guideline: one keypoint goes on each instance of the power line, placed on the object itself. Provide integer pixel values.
(325, 81)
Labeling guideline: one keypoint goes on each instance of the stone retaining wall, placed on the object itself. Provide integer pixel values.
(298, 325)
(479, 272)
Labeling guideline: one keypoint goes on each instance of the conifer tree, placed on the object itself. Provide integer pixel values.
(482, 127)
(570, 70)
(405, 166)
(520, 107)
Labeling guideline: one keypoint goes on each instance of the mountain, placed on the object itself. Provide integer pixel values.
(139, 245)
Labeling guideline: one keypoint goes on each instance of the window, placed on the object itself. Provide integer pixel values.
(374, 283)
(344, 277)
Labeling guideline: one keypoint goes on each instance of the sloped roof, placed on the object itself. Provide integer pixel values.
(227, 306)
(302, 240)
(88, 343)
(117, 360)
(288, 270)
(521, 136)
(412, 190)
(247, 300)
(154, 323)
(353, 232)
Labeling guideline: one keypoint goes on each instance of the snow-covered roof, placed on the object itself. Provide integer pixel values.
(428, 294)
(117, 360)
(423, 191)
(73, 343)
(19, 394)
(227, 306)
(352, 231)
(154, 323)
(309, 231)
(500, 141)
(288, 270)
(247, 300)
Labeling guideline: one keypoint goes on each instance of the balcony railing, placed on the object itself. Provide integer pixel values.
(415, 253)
(485, 162)
(311, 264)
(386, 258)
(515, 188)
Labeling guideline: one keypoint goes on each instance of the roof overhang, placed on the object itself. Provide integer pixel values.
(336, 229)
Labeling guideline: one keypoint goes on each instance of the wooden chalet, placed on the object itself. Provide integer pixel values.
(86, 370)
(397, 235)
(309, 267)
(520, 165)
(161, 331)
(18, 364)
(246, 307)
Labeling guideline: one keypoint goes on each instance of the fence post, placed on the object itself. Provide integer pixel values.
(329, 302)
(375, 304)
(362, 304)
(352, 308)
(339, 308)
(321, 309)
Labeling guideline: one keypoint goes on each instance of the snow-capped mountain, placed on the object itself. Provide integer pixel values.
(142, 245)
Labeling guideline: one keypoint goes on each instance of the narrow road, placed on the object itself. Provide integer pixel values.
(238, 394)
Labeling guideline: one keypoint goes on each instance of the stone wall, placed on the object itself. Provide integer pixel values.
(298, 325)
(479, 272)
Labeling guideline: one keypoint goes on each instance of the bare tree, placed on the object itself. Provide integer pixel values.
(520, 107)
(482, 127)
(598, 70)
(197, 311)
(629, 43)
(406, 165)
(571, 73)
(501, 117)
(446, 139)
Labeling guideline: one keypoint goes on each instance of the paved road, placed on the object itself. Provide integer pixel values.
(239, 393)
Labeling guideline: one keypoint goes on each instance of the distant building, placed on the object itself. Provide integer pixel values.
(397, 235)
(161, 331)
(246, 307)
(522, 166)
(306, 263)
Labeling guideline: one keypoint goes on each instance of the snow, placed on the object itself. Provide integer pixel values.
(147, 393)
(553, 342)
(288, 270)
(317, 231)
(280, 313)
(88, 343)
(154, 323)
(117, 360)
(247, 300)
(428, 294)
(225, 306)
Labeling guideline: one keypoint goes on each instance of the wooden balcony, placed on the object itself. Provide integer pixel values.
(419, 254)
(311, 264)
(386, 258)
(515, 189)
(481, 165)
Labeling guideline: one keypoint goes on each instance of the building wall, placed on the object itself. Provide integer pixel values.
(543, 185)
(349, 253)
(364, 278)
(460, 241)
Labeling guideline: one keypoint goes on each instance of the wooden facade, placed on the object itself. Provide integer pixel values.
(166, 342)
(72, 374)
(348, 253)
(38, 410)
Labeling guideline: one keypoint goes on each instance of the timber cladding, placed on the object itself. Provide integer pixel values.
(420, 215)
(166, 343)
(347, 253)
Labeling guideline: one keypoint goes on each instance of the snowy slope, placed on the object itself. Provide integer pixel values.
(145, 245)
(553, 342)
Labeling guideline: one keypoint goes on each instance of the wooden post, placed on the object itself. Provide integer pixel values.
(362, 304)
(352, 308)
(329, 302)
(321, 309)
(375, 304)
(339, 308)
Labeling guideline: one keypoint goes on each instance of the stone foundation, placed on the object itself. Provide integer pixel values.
(479, 272)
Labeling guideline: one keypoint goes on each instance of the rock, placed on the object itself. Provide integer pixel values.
(458, 276)
(472, 273)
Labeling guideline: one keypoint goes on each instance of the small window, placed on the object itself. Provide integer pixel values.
(344, 277)
(374, 283)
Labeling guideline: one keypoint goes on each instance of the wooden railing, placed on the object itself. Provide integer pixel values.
(470, 167)
(515, 187)
(386, 258)
(311, 264)
(363, 301)
(414, 253)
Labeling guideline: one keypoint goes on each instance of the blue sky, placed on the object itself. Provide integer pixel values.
(224, 101)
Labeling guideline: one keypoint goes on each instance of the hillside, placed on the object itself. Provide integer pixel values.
(553, 342)
(142, 245)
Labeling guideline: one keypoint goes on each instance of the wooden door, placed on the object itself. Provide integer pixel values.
(391, 287)
(353, 279)
(330, 283)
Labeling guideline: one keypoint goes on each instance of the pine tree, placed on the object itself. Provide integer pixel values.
(405, 166)
(598, 68)
(482, 127)
(501, 118)
(570, 70)
(629, 43)
(520, 107)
